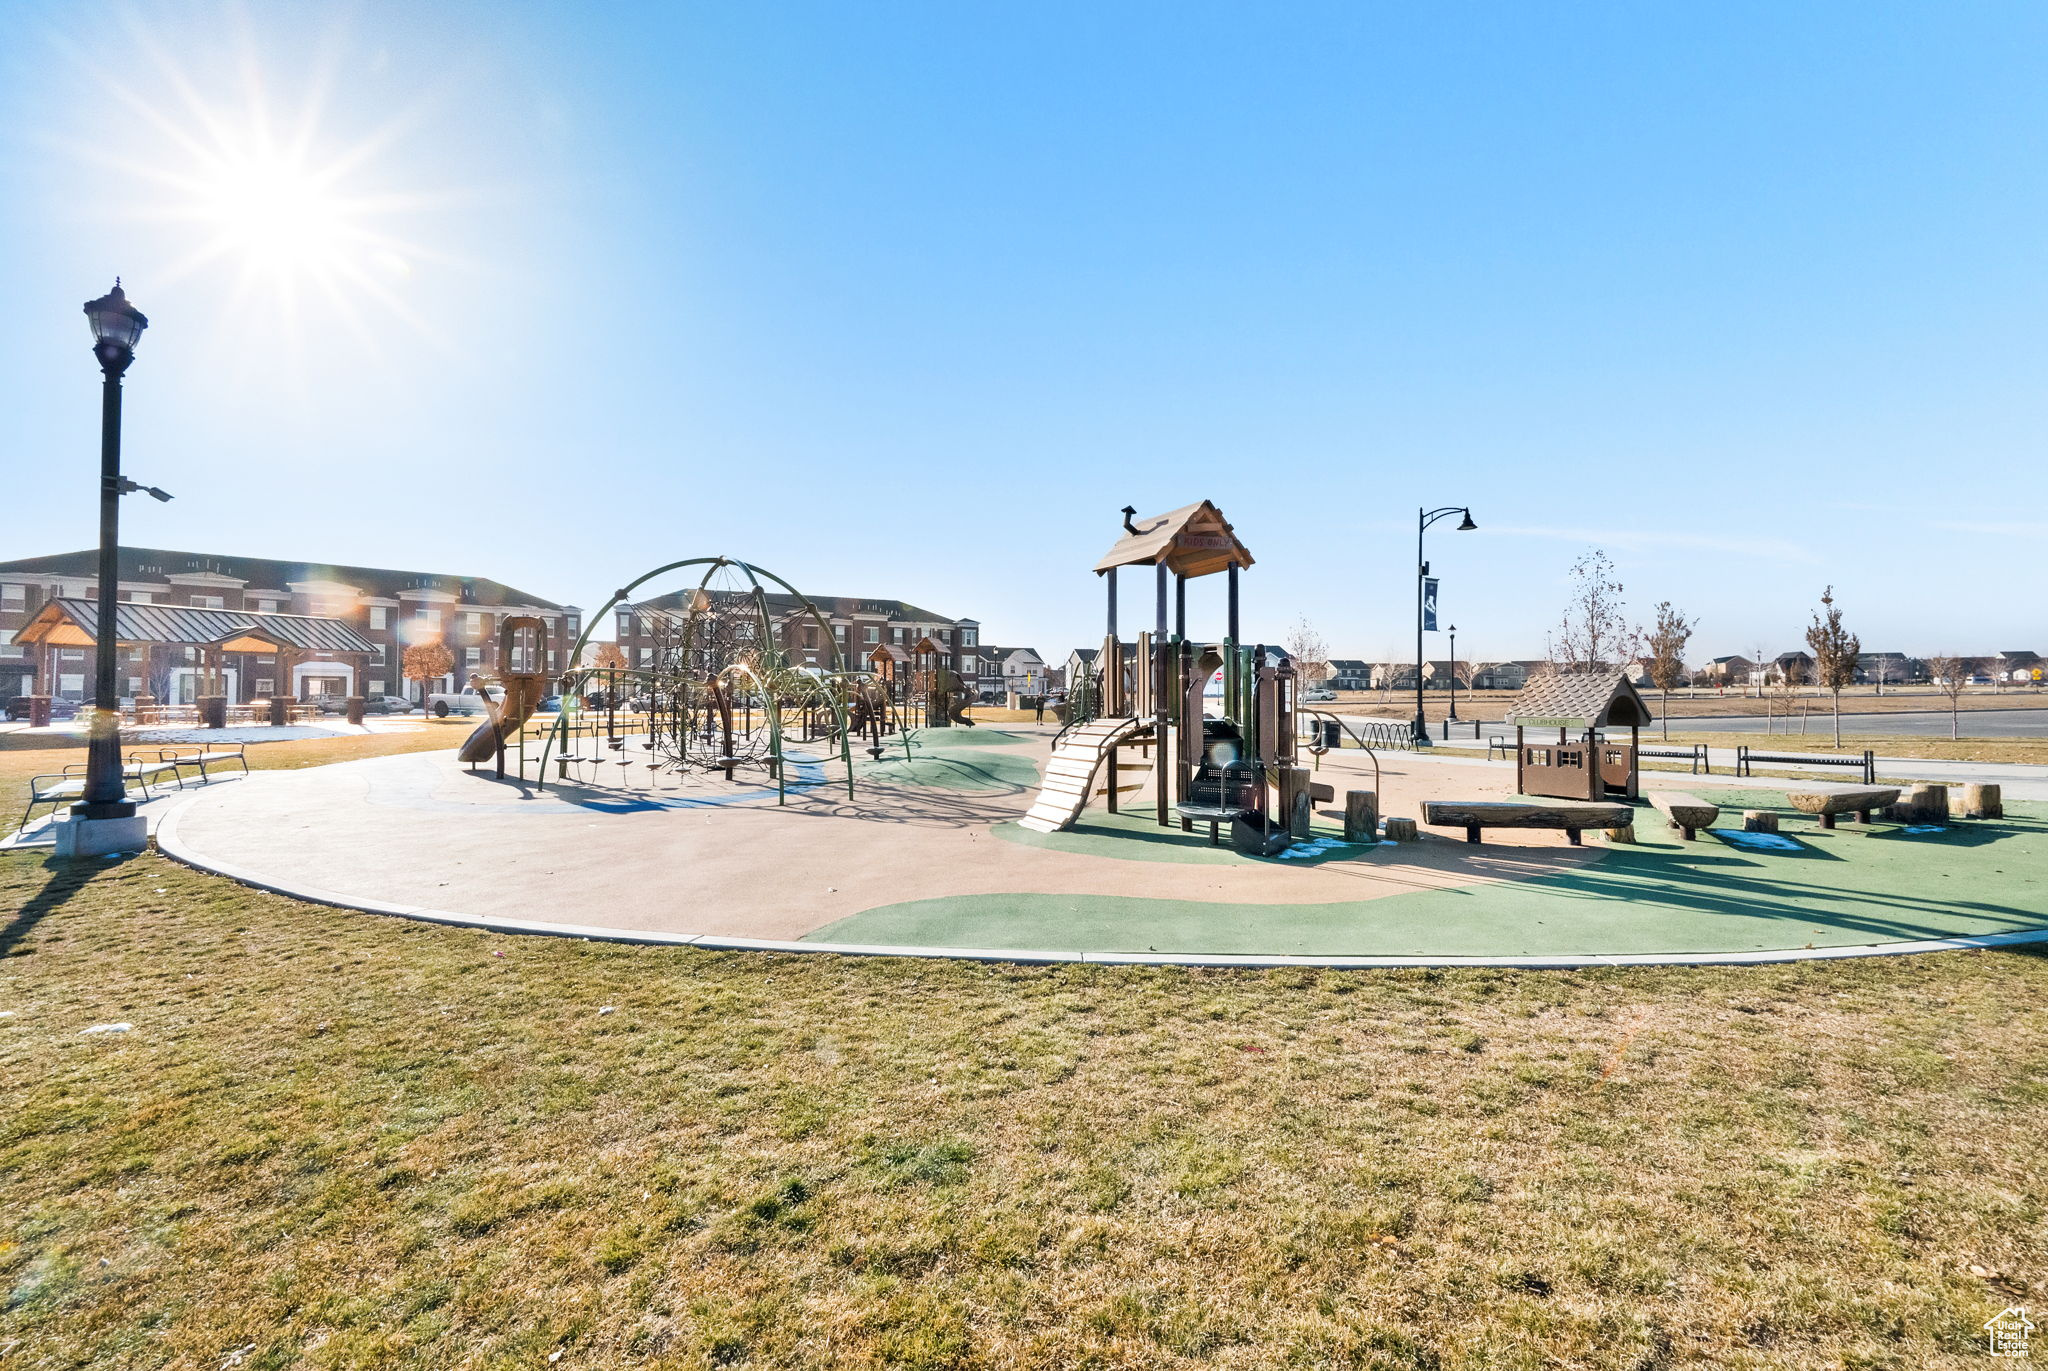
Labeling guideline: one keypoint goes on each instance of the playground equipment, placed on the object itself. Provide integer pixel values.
(726, 684)
(1138, 715)
(522, 647)
(1589, 766)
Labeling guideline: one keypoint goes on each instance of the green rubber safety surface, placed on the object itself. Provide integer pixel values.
(1841, 888)
(947, 739)
(950, 769)
(1135, 836)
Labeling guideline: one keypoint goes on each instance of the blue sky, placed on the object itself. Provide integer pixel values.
(909, 299)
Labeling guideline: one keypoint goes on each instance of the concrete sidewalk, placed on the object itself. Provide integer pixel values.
(2020, 780)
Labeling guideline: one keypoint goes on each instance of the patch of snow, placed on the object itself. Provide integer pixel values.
(1755, 842)
(108, 1028)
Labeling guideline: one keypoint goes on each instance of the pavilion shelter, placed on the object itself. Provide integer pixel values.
(241, 655)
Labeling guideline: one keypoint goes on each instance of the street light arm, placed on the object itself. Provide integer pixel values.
(1446, 512)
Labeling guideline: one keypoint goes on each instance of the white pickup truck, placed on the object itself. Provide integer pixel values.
(461, 702)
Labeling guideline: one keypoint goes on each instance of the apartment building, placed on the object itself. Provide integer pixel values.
(343, 629)
(858, 627)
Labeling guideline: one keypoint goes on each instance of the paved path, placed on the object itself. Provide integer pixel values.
(2021, 781)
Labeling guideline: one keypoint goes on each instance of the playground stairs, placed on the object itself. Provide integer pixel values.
(1070, 774)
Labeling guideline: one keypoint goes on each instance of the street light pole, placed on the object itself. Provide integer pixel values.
(1454, 672)
(1423, 519)
(116, 326)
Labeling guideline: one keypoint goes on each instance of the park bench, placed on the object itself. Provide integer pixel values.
(1866, 763)
(214, 755)
(1826, 804)
(1686, 813)
(1504, 746)
(1571, 816)
(1696, 755)
(54, 788)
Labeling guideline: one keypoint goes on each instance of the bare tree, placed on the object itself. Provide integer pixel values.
(1595, 631)
(424, 662)
(1951, 673)
(1835, 651)
(1310, 653)
(1666, 644)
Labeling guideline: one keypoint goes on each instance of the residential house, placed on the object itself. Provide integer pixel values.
(1889, 668)
(2018, 666)
(1350, 673)
(357, 623)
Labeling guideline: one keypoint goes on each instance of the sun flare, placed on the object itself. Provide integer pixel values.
(275, 214)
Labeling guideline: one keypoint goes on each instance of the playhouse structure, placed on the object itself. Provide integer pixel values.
(1584, 761)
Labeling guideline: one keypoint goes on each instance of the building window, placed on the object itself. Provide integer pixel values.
(625, 624)
(140, 597)
(68, 684)
(377, 684)
(873, 635)
(71, 654)
(379, 616)
(134, 685)
(266, 606)
(473, 623)
(377, 654)
(12, 594)
(895, 635)
(13, 653)
(209, 602)
(266, 686)
(472, 655)
(967, 637)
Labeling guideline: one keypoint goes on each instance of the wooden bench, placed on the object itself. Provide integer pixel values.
(1686, 813)
(1569, 815)
(1827, 804)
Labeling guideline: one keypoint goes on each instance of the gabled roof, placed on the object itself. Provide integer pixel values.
(263, 573)
(1193, 540)
(76, 622)
(1579, 699)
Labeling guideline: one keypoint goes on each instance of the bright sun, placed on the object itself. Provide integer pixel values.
(277, 216)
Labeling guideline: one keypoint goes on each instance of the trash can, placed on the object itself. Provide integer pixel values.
(213, 711)
(280, 711)
(1329, 734)
(355, 709)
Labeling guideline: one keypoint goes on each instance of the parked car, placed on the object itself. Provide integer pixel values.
(387, 704)
(443, 704)
(60, 709)
(549, 704)
(1318, 696)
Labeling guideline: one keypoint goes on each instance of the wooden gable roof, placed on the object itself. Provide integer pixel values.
(1194, 540)
(1579, 699)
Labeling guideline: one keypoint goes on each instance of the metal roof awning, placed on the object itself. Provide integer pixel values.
(75, 623)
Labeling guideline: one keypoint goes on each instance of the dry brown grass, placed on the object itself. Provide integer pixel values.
(22, 756)
(338, 1140)
(1819, 706)
(2030, 750)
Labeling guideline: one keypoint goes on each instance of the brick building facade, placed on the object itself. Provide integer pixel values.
(387, 609)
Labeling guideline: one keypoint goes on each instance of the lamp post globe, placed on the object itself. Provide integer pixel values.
(116, 327)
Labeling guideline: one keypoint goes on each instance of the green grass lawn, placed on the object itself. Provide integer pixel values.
(338, 1140)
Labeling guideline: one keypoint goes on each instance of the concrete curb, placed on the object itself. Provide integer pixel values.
(169, 843)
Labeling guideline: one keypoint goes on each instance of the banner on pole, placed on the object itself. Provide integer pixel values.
(1429, 604)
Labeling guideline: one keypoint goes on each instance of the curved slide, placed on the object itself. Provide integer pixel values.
(1070, 775)
(510, 715)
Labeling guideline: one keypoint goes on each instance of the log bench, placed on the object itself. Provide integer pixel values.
(1686, 813)
(1571, 816)
(1826, 804)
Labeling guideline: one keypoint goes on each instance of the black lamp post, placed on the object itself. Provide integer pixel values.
(1423, 519)
(1454, 674)
(116, 325)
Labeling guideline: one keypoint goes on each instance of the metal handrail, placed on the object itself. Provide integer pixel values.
(1356, 737)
